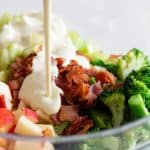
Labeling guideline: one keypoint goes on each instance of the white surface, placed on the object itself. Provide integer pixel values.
(113, 24)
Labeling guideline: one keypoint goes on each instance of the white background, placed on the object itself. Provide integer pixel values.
(115, 25)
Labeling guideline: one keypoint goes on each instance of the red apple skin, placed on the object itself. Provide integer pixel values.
(2, 101)
(7, 120)
(1, 148)
(32, 115)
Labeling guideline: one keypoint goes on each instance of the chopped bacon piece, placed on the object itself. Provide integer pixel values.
(60, 61)
(73, 79)
(14, 84)
(20, 69)
(105, 77)
(95, 90)
(68, 113)
(80, 126)
(54, 119)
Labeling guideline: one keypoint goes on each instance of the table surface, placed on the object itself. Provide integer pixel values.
(115, 25)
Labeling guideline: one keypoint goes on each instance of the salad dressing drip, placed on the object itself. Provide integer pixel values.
(32, 91)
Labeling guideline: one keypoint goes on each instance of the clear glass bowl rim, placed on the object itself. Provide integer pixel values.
(79, 138)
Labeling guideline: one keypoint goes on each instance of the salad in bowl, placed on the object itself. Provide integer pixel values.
(91, 91)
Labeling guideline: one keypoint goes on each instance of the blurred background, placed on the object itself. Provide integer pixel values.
(114, 25)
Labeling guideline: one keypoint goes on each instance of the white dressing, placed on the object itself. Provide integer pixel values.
(32, 92)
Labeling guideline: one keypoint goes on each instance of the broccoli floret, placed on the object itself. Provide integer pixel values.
(98, 62)
(141, 134)
(109, 66)
(134, 87)
(101, 119)
(127, 141)
(147, 60)
(115, 101)
(104, 143)
(137, 107)
(143, 75)
(131, 138)
(134, 60)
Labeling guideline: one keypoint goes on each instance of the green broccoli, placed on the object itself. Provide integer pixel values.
(143, 75)
(134, 60)
(141, 134)
(131, 138)
(127, 141)
(101, 119)
(137, 107)
(104, 143)
(147, 60)
(133, 87)
(115, 101)
(109, 66)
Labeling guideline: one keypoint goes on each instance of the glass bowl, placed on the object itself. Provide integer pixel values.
(115, 26)
(132, 136)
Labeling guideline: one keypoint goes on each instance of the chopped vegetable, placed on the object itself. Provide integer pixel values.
(61, 127)
(143, 75)
(92, 80)
(133, 60)
(134, 87)
(137, 107)
(110, 67)
(101, 119)
(104, 143)
(115, 101)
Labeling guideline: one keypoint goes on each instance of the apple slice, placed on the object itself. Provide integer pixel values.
(48, 146)
(30, 114)
(30, 145)
(7, 120)
(47, 130)
(5, 96)
(27, 127)
(11, 145)
(21, 105)
(44, 118)
(27, 145)
(2, 148)
(3, 142)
